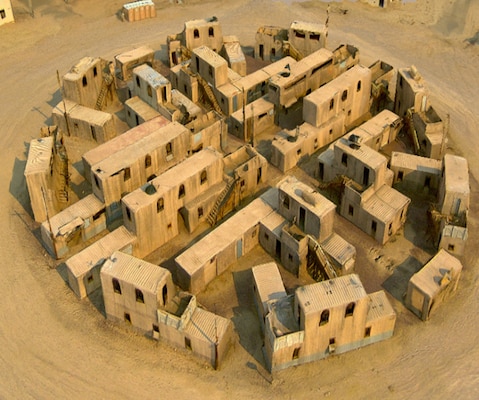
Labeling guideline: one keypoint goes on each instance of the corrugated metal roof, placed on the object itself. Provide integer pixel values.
(142, 274)
(414, 162)
(128, 155)
(379, 306)
(385, 203)
(153, 77)
(105, 150)
(268, 282)
(453, 231)
(331, 293)
(83, 208)
(429, 277)
(194, 258)
(99, 251)
(339, 249)
(456, 174)
(207, 326)
(139, 3)
(40, 153)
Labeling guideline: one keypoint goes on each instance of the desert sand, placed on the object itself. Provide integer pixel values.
(55, 346)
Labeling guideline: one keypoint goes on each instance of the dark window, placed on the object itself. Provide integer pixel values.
(169, 226)
(344, 159)
(210, 71)
(330, 131)
(127, 318)
(315, 36)
(160, 204)
(351, 210)
(89, 279)
(84, 81)
(344, 95)
(331, 104)
(188, 343)
(358, 86)
(349, 309)
(128, 213)
(93, 133)
(127, 174)
(300, 35)
(332, 341)
(315, 143)
(400, 175)
(367, 332)
(169, 148)
(181, 191)
(266, 236)
(139, 296)
(324, 318)
(400, 81)
(95, 71)
(147, 161)
(97, 182)
(296, 353)
(450, 247)
(286, 201)
(374, 227)
(427, 182)
(200, 212)
(196, 33)
(211, 32)
(116, 285)
(138, 81)
(98, 214)
(156, 328)
(290, 257)
(204, 177)
(149, 91)
(298, 152)
(3, 14)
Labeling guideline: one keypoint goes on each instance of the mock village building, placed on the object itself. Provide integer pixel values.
(196, 33)
(83, 268)
(329, 317)
(267, 285)
(133, 290)
(185, 325)
(210, 66)
(83, 122)
(258, 117)
(151, 212)
(38, 172)
(308, 74)
(150, 86)
(6, 12)
(131, 167)
(84, 82)
(433, 284)
(103, 151)
(138, 112)
(411, 92)
(233, 53)
(138, 10)
(269, 43)
(415, 174)
(429, 133)
(306, 37)
(207, 130)
(76, 224)
(381, 86)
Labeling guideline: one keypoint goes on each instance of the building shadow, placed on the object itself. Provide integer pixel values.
(397, 283)
(18, 183)
(245, 318)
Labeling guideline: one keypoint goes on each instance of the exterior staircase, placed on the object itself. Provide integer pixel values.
(321, 257)
(221, 201)
(290, 50)
(209, 93)
(105, 86)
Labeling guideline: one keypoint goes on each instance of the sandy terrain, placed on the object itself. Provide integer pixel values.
(54, 346)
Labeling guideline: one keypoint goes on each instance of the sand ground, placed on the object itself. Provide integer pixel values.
(54, 346)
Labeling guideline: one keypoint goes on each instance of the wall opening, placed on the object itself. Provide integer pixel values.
(350, 310)
(139, 296)
(188, 343)
(116, 285)
(324, 318)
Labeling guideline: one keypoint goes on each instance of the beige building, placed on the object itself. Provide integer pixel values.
(6, 12)
(38, 175)
(196, 33)
(349, 94)
(299, 79)
(382, 78)
(73, 226)
(306, 37)
(415, 174)
(105, 150)
(269, 42)
(185, 325)
(138, 112)
(133, 290)
(454, 190)
(411, 92)
(433, 284)
(329, 317)
(151, 212)
(125, 62)
(83, 268)
(150, 86)
(233, 54)
(429, 133)
(132, 166)
(85, 81)
(83, 122)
